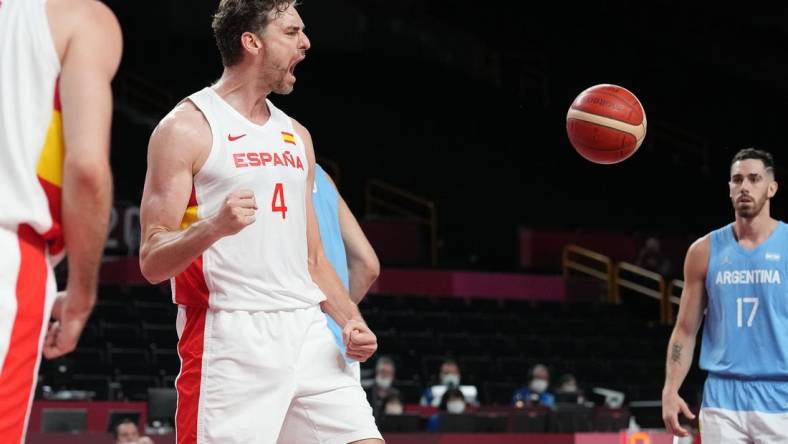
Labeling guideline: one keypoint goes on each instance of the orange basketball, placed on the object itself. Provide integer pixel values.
(606, 124)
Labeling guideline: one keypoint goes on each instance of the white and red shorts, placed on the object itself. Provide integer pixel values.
(27, 291)
(266, 377)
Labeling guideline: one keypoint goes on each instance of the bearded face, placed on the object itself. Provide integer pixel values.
(751, 187)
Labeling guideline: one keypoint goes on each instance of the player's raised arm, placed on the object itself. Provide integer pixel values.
(682, 341)
(361, 342)
(362, 262)
(177, 150)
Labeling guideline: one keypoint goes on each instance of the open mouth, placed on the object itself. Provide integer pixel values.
(291, 70)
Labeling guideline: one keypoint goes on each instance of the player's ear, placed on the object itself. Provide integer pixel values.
(772, 188)
(251, 43)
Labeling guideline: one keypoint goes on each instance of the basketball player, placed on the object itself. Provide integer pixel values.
(345, 244)
(227, 215)
(737, 275)
(55, 112)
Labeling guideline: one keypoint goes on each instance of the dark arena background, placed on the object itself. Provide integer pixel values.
(443, 124)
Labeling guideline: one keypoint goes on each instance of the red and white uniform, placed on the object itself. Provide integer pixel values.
(264, 266)
(256, 354)
(31, 172)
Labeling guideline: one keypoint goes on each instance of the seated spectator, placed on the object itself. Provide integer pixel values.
(381, 389)
(126, 432)
(392, 405)
(536, 393)
(567, 390)
(449, 377)
(453, 402)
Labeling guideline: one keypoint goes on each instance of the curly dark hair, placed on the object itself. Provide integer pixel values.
(752, 153)
(234, 17)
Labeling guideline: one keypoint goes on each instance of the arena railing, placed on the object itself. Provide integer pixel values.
(138, 94)
(673, 298)
(383, 196)
(620, 280)
(622, 275)
(591, 264)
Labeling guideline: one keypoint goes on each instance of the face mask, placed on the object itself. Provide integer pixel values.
(393, 409)
(538, 385)
(451, 379)
(457, 406)
(383, 382)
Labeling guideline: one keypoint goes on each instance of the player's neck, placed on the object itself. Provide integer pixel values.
(246, 93)
(756, 229)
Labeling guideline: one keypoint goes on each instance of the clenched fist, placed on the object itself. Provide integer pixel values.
(361, 343)
(237, 213)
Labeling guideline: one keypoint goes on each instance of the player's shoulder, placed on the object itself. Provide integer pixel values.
(84, 14)
(87, 24)
(185, 125)
(301, 130)
(699, 251)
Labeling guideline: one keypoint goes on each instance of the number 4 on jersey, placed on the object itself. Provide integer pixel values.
(279, 193)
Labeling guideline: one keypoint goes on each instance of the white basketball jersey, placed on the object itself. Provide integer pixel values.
(31, 131)
(264, 266)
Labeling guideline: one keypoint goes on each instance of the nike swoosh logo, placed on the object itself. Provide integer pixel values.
(234, 138)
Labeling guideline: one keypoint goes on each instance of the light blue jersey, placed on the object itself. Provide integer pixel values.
(745, 335)
(326, 202)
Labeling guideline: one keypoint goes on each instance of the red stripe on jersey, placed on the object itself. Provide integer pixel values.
(190, 286)
(57, 104)
(54, 236)
(18, 375)
(190, 350)
(193, 197)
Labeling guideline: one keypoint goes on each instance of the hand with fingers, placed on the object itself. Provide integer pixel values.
(70, 318)
(672, 406)
(360, 342)
(237, 212)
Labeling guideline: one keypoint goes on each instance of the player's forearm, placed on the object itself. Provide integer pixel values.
(338, 304)
(87, 197)
(679, 359)
(361, 279)
(164, 253)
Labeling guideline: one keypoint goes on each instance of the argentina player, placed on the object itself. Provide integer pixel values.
(346, 246)
(737, 274)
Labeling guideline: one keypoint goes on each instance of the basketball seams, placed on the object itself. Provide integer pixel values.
(631, 106)
(636, 131)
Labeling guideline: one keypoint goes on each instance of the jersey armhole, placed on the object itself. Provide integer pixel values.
(47, 39)
(199, 103)
(709, 279)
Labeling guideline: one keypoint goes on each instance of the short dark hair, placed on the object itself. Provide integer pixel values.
(117, 426)
(752, 153)
(234, 17)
